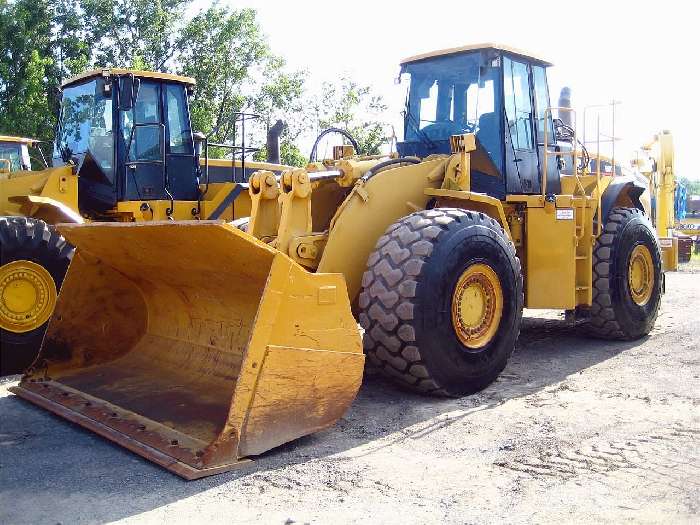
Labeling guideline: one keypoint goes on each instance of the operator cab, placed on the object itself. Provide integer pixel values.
(15, 155)
(129, 134)
(496, 92)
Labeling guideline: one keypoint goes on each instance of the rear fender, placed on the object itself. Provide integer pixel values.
(622, 191)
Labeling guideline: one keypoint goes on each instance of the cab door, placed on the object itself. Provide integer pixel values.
(522, 164)
(544, 122)
(180, 159)
(143, 136)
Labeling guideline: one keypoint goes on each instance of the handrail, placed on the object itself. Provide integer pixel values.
(612, 139)
(547, 153)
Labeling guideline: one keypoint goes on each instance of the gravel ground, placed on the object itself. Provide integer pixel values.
(575, 430)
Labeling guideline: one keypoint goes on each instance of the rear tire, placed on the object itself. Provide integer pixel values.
(25, 239)
(619, 311)
(408, 300)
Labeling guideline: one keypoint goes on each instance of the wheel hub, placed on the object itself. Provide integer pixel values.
(640, 275)
(477, 306)
(27, 296)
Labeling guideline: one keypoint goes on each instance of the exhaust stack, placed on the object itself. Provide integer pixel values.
(565, 102)
(273, 142)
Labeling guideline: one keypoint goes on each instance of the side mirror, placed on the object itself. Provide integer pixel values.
(128, 92)
(199, 139)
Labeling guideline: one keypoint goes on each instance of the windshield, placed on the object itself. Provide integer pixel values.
(86, 124)
(451, 95)
(10, 157)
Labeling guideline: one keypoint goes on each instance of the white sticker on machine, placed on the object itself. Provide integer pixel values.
(565, 214)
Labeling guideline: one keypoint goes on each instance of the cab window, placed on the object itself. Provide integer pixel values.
(142, 125)
(10, 157)
(542, 102)
(178, 124)
(516, 92)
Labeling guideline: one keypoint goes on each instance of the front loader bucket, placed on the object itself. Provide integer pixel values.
(194, 345)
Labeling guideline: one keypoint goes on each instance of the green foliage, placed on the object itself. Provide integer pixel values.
(223, 49)
(227, 53)
(25, 65)
(356, 109)
(290, 154)
(692, 186)
(132, 33)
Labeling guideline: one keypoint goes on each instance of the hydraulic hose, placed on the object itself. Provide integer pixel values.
(379, 167)
(312, 156)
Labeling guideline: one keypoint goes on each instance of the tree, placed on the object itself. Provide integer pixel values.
(692, 186)
(25, 86)
(133, 33)
(42, 43)
(228, 55)
(223, 49)
(355, 109)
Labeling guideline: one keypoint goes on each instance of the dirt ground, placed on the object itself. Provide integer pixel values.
(575, 430)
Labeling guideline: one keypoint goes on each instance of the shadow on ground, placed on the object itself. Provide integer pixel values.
(51, 466)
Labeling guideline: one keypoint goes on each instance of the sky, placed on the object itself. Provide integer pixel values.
(638, 53)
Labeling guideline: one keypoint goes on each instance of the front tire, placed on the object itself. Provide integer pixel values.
(627, 277)
(442, 301)
(33, 262)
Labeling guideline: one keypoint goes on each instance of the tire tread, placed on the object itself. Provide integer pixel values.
(389, 287)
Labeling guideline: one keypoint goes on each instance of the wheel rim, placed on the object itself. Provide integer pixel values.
(640, 275)
(27, 296)
(477, 306)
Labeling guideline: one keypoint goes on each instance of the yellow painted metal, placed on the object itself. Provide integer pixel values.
(475, 47)
(640, 275)
(369, 210)
(307, 250)
(472, 201)
(351, 170)
(207, 344)
(27, 296)
(295, 208)
(22, 140)
(459, 177)
(343, 151)
(50, 195)
(265, 210)
(665, 217)
(669, 253)
(550, 276)
(249, 164)
(477, 306)
(156, 210)
(136, 72)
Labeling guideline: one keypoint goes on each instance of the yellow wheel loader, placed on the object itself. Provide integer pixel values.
(655, 163)
(198, 344)
(124, 153)
(17, 153)
(33, 261)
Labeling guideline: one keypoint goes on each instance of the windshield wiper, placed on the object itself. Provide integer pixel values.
(66, 153)
(419, 132)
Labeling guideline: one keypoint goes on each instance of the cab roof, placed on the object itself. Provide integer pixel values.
(476, 47)
(137, 73)
(21, 140)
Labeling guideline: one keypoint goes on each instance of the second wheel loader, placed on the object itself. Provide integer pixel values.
(198, 344)
(124, 153)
